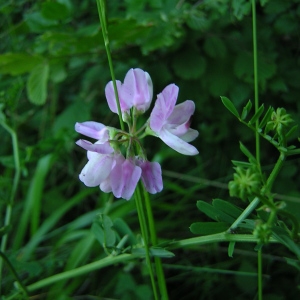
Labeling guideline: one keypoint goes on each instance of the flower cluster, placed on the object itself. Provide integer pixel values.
(107, 167)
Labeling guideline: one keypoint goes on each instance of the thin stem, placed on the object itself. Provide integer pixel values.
(259, 271)
(102, 17)
(23, 287)
(218, 237)
(143, 225)
(86, 269)
(256, 100)
(9, 206)
(248, 210)
(275, 171)
(158, 264)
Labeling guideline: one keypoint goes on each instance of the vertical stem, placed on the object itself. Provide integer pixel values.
(144, 230)
(9, 206)
(102, 17)
(259, 277)
(158, 264)
(255, 79)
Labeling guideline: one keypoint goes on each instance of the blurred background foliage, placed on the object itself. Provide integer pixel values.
(53, 71)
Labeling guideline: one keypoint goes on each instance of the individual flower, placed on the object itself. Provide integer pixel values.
(151, 175)
(137, 91)
(122, 179)
(106, 168)
(172, 123)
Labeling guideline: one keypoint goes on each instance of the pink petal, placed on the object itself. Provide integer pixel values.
(182, 112)
(177, 143)
(137, 89)
(151, 176)
(92, 129)
(190, 135)
(163, 107)
(96, 170)
(111, 99)
(97, 147)
(124, 178)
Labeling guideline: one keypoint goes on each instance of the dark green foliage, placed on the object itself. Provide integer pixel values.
(53, 71)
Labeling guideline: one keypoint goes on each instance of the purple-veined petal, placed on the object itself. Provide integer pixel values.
(92, 129)
(111, 98)
(97, 147)
(177, 143)
(96, 170)
(151, 176)
(182, 112)
(137, 89)
(124, 178)
(163, 107)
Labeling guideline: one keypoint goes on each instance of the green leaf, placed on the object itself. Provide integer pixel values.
(247, 152)
(257, 115)
(154, 251)
(214, 213)
(241, 8)
(229, 105)
(227, 208)
(37, 84)
(54, 10)
(241, 164)
(246, 110)
(266, 117)
(98, 232)
(109, 233)
(123, 229)
(231, 249)
(204, 228)
(18, 63)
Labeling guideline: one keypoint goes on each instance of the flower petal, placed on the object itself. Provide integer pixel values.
(124, 178)
(111, 98)
(177, 143)
(163, 107)
(182, 112)
(96, 170)
(190, 135)
(92, 129)
(151, 176)
(97, 147)
(137, 89)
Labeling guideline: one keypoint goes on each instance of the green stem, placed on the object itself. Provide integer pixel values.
(275, 171)
(218, 237)
(259, 271)
(256, 200)
(102, 17)
(3, 256)
(248, 210)
(255, 64)
(16, 180)
(143, 225)
(86, 269)
(158, 264)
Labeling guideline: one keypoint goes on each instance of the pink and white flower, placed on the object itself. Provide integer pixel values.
(137, 91)
(172, 123)
(106, 168)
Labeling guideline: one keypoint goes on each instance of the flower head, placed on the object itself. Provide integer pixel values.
(172, 123)
(136, 91)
